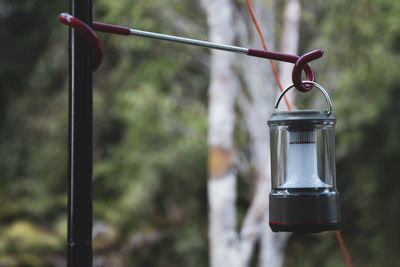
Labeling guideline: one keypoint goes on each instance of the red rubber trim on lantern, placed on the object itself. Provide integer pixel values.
(290, 223)
(88, 34)
(300, 143)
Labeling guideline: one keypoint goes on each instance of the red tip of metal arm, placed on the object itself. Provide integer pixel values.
(301, 63)
(88, 33)
(103, 27)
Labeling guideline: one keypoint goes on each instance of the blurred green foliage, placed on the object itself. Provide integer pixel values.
(150, 127)
(361, 66)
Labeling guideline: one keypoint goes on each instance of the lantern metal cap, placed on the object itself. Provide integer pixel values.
(306, 115)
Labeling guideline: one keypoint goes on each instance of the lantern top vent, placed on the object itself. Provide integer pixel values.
(309, 115)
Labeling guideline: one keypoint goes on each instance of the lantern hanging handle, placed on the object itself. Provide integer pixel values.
(323, 91)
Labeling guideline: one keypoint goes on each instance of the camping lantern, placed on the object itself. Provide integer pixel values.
(304, 196)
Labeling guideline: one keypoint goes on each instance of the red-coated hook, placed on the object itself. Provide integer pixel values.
(298, 67)
(89, 35)
(300, 64)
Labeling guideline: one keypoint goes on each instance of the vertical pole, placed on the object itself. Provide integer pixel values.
(80, 142)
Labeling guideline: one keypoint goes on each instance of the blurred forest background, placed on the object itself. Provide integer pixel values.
(150, 133)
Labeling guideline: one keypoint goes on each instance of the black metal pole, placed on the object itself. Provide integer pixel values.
(80, 142)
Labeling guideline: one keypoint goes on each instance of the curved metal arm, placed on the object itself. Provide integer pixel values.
(301, 63)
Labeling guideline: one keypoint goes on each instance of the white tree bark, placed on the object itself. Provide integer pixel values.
(257, 110)
(255, 100)
(256, 105)
(223, 237)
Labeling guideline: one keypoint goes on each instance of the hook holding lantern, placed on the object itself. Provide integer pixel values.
(301, 63)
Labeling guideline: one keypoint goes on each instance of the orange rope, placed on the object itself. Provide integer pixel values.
(344, 248)
(253, 16)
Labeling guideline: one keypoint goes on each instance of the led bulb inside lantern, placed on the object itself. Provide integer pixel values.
(302, 161)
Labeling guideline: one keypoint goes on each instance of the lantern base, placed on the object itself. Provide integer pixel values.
(304, 210)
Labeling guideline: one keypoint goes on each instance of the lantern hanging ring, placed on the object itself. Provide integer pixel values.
(301, 63)
(323, 91)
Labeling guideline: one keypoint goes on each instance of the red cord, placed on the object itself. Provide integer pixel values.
(253, 16)
(344, 248)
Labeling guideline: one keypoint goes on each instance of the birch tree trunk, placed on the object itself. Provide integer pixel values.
(273, 246)
(256, 105)
(255, 99)
(223, 238)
